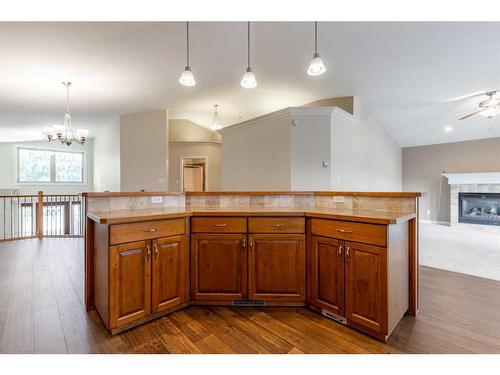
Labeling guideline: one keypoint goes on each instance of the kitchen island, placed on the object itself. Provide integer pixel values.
(353, 260)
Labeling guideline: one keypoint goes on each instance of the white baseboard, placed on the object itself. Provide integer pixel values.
(434, 222)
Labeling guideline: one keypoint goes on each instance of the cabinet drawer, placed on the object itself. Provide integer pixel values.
(346, 230)
(276, 225)
(219, 225)
(122, 233)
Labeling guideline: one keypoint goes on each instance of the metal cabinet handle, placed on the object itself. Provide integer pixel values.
(152, 230)
(244, 242)
(156, 251)
(220, 225)
(251, 243)
(347, 253)
(340, 251)
(344, 231)
(148, 253)
(281, 226)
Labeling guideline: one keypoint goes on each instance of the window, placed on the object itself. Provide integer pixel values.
(36, 165)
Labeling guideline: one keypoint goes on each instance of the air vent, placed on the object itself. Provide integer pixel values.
(248, 303)
(334, 316)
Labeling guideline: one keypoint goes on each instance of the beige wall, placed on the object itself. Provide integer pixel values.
(209, 151)
(423, 165)
(107, 158)
(257, 157)
(190, 140)
(144, 151)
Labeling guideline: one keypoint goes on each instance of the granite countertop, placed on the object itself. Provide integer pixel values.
(368, 216)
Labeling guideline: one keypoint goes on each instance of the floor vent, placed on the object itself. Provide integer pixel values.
(248, 303)
(334, 316)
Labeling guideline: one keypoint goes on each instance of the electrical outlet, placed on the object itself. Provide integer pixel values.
(157, 199)
(428, 212)
(338, 199)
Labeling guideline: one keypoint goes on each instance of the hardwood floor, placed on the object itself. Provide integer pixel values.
(41, 311)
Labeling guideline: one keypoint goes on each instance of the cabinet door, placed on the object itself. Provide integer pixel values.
(366, 286)
(170, 259)
(130, 282)
(326, 276)
(276, 267)
(218, 267)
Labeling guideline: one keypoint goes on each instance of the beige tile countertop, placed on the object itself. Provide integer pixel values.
(368, 216)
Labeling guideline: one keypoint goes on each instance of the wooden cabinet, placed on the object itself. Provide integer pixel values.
(169, 276)
(134, 280)
(366, 286)
(326, 280)
(130, 282)
(218, 267)
(276, 267)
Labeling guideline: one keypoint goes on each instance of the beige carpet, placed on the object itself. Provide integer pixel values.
(472, 252)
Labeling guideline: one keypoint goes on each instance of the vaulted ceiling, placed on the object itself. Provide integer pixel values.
(403, 73)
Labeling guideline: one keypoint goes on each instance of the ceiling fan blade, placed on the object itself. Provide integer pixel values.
(471, 95)
(472, 114)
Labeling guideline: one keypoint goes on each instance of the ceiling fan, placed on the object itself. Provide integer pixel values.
(487, 108)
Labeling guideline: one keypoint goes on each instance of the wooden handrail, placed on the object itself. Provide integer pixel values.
(39, 215)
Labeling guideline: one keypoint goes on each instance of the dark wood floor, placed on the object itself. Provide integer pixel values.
(41, 311)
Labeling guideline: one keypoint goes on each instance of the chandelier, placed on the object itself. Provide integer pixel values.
(216, 125)
(65, 133)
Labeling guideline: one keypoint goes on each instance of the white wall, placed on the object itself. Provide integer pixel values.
(144, 151)
(310, 147)
(365, 156)
(256, 154)
(106, 154)
(8, 168)
(285, 150)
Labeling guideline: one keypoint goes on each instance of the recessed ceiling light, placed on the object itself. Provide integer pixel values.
(448, 129)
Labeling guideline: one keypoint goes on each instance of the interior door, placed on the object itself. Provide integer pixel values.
(366, 285)
(218, 267)
(194, 177)
(276, 267)
(130, 282)
(327, 274)
(170, 259)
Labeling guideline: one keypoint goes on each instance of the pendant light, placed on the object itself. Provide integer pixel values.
(187, 77)
(216, 125)
(248, 81)
(316, 67)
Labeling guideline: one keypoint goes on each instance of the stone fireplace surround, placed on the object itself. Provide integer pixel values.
(471, 183)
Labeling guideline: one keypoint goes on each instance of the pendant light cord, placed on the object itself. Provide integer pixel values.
(315, 37)
(248, 45)
(187, 43)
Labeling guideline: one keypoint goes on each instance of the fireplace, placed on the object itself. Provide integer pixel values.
(479, 208)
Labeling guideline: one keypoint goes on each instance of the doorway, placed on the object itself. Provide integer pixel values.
(193, 174)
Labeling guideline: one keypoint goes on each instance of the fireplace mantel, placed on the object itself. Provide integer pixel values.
(473, 178)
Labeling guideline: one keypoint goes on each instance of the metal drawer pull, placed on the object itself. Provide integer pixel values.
(152, 230)
(251, 243)
(244, 243)
(156, 251)
(148, 253)
(220, 225)
(340, 251)
(277, 225)
(344, 231)
(347, 253)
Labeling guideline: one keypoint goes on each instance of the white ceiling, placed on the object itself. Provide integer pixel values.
(401, 72)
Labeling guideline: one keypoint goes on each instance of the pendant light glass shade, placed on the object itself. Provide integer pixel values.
(317, 66)
(490, 112)
(248, 81)
(187, 77)
(216, 125)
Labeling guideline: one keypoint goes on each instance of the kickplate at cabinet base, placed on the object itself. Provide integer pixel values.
(248, 303)
(334, 316)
